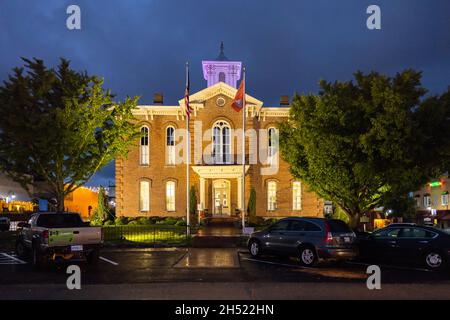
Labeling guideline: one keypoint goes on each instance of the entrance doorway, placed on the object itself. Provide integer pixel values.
(221, 197)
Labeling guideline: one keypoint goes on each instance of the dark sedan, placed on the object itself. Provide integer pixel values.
(310, 239)
(4, 223)
(407, 243)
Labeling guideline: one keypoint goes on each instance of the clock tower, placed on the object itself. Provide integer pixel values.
(222, 70)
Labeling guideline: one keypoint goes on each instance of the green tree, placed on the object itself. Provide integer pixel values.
(102, 212)
(362, 143)
(251, 207)
(192, 201)
(59, 127)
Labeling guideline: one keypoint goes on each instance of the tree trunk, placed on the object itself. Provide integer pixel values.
(60, 202)
(354, 220)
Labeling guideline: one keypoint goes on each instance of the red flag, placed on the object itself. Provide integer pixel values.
(238, 101)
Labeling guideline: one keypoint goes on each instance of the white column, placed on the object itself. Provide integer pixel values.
(202, 192)
(240, 193)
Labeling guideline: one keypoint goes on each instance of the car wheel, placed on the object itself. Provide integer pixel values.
(434, 260)
(21, 251)
(255, 248)
(308, 256)
(37, 260)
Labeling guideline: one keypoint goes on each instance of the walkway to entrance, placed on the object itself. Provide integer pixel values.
(219, 233)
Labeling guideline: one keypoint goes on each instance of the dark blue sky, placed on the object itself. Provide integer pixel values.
(140, 46)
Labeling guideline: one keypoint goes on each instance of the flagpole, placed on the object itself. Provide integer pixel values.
(187, 157)
(243, 155)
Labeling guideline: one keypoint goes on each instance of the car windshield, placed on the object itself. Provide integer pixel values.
(338, 226)
(59, 220)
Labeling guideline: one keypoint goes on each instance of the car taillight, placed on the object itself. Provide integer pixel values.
(328, 234)
(45, 236)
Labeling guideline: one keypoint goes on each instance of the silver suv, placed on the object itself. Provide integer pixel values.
(309, 239)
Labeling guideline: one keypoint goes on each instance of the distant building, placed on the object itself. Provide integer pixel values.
(83, 200)
(432, 202)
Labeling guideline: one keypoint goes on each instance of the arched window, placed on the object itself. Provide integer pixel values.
(144, 148)
(144, 196)
(170, 145)
(272, 195)
(170, 195)
(221, 143)
(272, 143)
(296, 195)
(222, 76)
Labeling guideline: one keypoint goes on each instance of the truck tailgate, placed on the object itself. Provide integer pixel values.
(74, 236)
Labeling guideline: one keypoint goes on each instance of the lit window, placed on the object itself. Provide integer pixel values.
(144, 148)
(222, 76)
(170, 144)
(272, 146)
(170, 196)
(271, 195)
(221, 152)
(427, 201)
(445, 199)
(296, 195)
(144, 196)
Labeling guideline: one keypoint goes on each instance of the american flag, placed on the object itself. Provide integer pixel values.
(186, 96)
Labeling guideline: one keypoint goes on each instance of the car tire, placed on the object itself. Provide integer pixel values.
(93, 257)
(434, 260)
(21, 250)
(254, 247)
(307, 256)
(37, 260)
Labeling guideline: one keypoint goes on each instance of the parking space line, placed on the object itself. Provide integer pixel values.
(277, 263)
(109, 261)
(388, 266)
(7, 259)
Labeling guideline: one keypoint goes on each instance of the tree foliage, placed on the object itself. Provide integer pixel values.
(102, 212)
(251, 207)
(363, 143)
(59, 126)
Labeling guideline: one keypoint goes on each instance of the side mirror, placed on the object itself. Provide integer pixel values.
(23, 225)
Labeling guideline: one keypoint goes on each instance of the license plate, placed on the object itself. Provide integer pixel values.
(76, 248)
(346, 239)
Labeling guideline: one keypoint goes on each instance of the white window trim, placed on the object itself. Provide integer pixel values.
(170, 207)
(144, 206)
(445, 199)
(297, 205)
(272, 205)
(170, 149)
(218, 144)
(144, 150)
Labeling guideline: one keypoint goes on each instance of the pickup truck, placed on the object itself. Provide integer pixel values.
(58, 237)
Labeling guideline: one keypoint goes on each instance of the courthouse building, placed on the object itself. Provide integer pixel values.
(152, 182)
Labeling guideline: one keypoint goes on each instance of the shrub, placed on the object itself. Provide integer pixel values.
(133, 223)
(109, 223)
(181, 223)
(121, 221)
(144, 221)
(170, 221)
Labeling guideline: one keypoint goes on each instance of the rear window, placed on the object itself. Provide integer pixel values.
(338, 226)
(59, 220)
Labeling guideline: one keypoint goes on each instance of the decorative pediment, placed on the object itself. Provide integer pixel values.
(198, 99)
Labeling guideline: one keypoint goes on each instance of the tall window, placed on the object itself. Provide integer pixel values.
(426, 201)
(222, 76)
(144, 148)
(445, 199)
(221, 143)
(271, 195)
(144, 196)
(170, 196)
(170, 145)
(271, 146)
(296, 195)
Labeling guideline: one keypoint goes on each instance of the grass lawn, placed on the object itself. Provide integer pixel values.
(145, 234)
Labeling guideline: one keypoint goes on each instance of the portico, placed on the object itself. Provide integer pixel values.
(217, 182)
